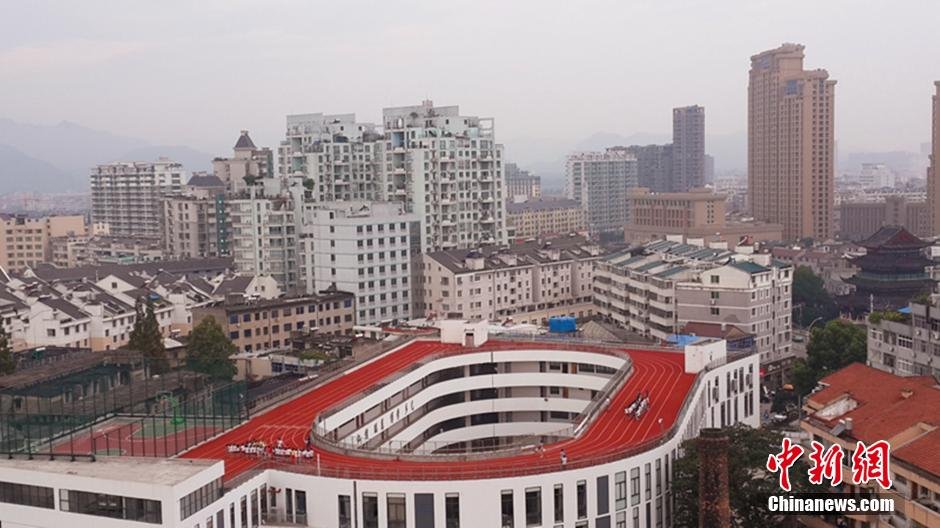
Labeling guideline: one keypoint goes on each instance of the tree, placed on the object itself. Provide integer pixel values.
(750, 482)
(210, 350)
(810, 299)
(147, 339)
(7, 363)
(831, 347)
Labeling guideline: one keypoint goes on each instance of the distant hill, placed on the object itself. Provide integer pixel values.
(59, 157)
(20, 172)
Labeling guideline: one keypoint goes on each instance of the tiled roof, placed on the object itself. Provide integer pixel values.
(888, 405)
(749, 267)
(205, 180)
(49, 272)
(244, 142)
(526, 253)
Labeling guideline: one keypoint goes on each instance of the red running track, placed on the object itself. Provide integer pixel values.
(610, 436)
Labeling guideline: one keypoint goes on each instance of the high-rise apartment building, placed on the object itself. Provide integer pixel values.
(933, 172)
(248, 163)
(446, 168)
(365, 248)
(791, 143)
(449, 169)
(195, 222)
(521, 185)
(688, 148)
(264, 235)
(654, 166)
(128, 196)
(338, 157)
(27, 241)
(599, 182)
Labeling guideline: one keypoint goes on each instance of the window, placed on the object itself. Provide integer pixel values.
(26, 495)
(714, 279)
(345, 512)
(533, 506)
(634, 486)
(581, 495)
(452, 510)
(603, 497)
(113, 506)
(647, 470)
(714, 310)
(505, 504)
(396, 510)
(620, 490)
(370, 510)
(559, 503)
(199, 499)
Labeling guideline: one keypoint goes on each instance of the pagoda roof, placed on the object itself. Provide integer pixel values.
(893, 237)
(889, 263)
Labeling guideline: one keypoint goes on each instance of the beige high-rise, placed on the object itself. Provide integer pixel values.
(933, 172)
(791, 141)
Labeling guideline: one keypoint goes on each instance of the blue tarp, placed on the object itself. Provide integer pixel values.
(905, 310)
(562, 325)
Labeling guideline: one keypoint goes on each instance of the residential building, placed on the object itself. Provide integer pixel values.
(27, 241)
(247, 164)
(659, 288)
(545, 217)
(906, 344)
(860, 404)
(933, 172)
(449, 169)
(697, 214)
(654, 166)
(528, 282)
(830, 264)
(265, 234)
(876, 176)
(128, 196)
(521, 185)
(341, 158)
(599, 182)
(266, 325)
(366, 248)
(446, 168)
(859, 220)
(688, 148)
(791, 144)
(85, 250)
(195, 222)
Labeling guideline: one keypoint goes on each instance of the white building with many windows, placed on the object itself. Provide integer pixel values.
(365, 248)
(127, 196)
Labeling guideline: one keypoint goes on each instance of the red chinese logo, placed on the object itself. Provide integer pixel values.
(827, 464)
(872, 463)
(869, 463)
(782, 462)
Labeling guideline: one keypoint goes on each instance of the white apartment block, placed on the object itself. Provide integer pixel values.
(659, 288)
(340, 158)
(127, 196)
(599, 182)
(365, 248)
(528, 282)
(446, 168)
(195, 223)
(450, 169)
(264, 235)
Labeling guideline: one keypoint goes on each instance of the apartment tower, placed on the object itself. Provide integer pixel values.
(688, 148)
(933, 172)
(791, 143)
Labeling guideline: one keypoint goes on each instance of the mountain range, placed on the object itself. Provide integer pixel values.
(57, 158)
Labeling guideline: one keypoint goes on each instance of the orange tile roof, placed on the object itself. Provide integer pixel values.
(883, 412)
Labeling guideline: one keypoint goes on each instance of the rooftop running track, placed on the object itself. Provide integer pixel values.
(608, 437)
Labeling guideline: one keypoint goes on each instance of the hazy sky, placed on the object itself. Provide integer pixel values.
(195, 72)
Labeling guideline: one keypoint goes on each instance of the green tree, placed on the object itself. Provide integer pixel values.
(750, 482)
(147, 339)
(831, 347)
(811, 301)
(7, 363)
(210, 350)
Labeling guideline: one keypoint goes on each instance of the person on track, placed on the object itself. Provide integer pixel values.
(564, 458)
